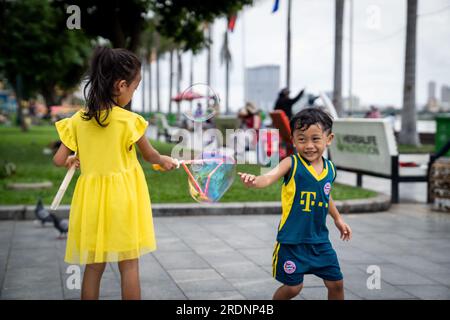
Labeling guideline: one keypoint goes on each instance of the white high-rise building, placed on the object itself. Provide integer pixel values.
(432, 103)
(262, 84)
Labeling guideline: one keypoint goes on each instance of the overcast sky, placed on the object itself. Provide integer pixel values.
(379, 31)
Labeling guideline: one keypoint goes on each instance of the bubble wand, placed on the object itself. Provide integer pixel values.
(63, 187)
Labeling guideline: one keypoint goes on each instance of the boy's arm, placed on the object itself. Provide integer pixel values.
(346, 231)
(269, 178)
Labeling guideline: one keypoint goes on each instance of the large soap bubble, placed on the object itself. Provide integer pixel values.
(211, 174)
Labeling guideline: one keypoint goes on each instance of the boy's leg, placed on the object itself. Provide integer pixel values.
(335, 289)
(129, 278)
(286, 292)
(90, 289)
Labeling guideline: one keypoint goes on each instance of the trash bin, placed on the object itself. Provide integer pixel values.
(442, 132)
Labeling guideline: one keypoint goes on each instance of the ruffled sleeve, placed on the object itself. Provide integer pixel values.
(66, 132)
(138, 126)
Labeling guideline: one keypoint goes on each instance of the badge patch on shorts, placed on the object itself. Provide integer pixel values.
(327, 188)
(289, 267)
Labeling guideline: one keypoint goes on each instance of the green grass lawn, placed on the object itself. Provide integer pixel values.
(424, 148)
(25, 150)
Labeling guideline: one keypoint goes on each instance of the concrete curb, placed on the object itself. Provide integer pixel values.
(376, 204)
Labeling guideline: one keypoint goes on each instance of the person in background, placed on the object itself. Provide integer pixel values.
(285, 103)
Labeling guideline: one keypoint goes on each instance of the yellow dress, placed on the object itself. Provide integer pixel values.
(110, 215)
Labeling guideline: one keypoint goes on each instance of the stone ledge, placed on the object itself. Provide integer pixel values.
(376, 204)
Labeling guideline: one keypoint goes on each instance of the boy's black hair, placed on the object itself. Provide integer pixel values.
(107, 66)
(310, 116)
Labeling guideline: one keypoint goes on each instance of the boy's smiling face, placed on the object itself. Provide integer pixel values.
(312, 142)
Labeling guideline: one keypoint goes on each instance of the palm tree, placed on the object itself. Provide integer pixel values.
(408, 134)
(209, 55)
(170, 79)
(179, 77)
(225, 57)
(339, 26)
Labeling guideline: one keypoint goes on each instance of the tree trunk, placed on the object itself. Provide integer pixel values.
(158, 93)
(209, 57)
(150, 103)
(288, 47)
(179, 78)
(143, 83)
(191, 75)
(170, 79)
(227, 77)
(50, 98)
(339, 26)
(408, 134)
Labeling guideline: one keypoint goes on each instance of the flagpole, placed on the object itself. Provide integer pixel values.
(350, 74)
(288, 55)
(243, 57)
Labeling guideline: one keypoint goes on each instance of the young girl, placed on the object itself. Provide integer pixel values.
(110, 215)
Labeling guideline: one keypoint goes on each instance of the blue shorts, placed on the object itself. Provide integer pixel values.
(291, 261)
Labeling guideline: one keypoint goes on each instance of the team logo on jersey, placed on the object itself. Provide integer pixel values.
(289, 267)
(327, 188)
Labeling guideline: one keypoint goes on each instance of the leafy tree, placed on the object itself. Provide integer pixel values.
(121, 22)
(38, 53)
(185, 21)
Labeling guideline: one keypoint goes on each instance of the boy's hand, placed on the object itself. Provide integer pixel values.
(168, 163)
(72, 160)
(248, 179)
(346, 232)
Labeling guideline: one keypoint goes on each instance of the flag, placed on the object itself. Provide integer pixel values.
(275, 6)
(231, 22)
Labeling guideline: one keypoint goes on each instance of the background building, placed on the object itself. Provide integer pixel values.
(262, 84)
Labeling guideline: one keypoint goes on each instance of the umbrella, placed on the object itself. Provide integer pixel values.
(187, 95)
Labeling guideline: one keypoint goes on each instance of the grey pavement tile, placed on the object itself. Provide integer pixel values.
(31, 277)
(259, 289)
(180, 260)
(428, 292)
(246, 270)
(212, 246)
(205, 285)
(440, 277)
(310, 280)
(222, 258)
(171, 244)
(417, 264)
(191, 275)
(229, 257)
(260, 256)
(167, 290)
(40, 290)
(386, 291)
(398, 275)
(21, 258)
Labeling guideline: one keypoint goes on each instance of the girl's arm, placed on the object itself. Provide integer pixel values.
(151, 155)
(269, 178)
(346, 231)
(63, 157)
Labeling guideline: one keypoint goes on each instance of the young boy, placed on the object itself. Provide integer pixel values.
(303, 246)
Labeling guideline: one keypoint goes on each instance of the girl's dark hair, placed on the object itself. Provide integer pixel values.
(107, 66)
(310, 116)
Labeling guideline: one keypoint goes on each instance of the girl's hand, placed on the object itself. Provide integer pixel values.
(248, 179)
(72, 160)
(168, 163)
(346, 232)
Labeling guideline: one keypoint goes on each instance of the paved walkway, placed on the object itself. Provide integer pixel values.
(229, 257)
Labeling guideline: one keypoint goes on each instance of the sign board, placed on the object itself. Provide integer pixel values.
(363, 144)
